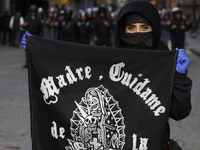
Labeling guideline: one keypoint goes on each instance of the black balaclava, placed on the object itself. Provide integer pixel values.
(144, 40)
(148, 13)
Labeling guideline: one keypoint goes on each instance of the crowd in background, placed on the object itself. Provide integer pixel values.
(93, 26)
(175, 23)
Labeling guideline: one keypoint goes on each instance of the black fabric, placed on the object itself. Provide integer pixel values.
(132, 17)
(138, 39)
(92, 97)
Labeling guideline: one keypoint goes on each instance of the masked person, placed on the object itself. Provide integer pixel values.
(138, 26)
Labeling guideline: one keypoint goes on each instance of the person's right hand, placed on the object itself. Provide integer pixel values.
(95, 38)
(174, 26)
(24, 39)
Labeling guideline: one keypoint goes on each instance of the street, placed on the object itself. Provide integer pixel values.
(14, 108)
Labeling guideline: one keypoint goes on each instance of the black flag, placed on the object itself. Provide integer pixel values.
(97, 98)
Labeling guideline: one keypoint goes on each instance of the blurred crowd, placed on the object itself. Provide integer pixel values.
(175, 23)
(90, 26)
(94, 26)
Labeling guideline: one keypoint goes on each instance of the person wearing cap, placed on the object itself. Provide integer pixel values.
(94, 13)
(102, 28)
(84, 29)
(49, 24)
(91, 21)
(61, 17)
(67, 27)
(138, 26)
(32, 23)
(40, 15)
(15, 24)
(178, 27)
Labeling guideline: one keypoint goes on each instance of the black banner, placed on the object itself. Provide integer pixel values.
(98, 98)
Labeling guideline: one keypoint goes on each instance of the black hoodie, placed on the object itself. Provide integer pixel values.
(148, 11)
(180, 104)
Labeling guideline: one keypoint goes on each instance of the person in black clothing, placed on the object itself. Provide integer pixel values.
(6, 29)
(178, 27)
(32, 23)
(102, 28)
(84, 29)
(49, 24)
(67, 27)
(91, 20)
(16, 23)
(138, 26)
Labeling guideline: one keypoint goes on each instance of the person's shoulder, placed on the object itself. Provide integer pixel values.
(162, 46)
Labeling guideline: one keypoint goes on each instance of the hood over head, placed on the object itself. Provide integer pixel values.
(146, 10)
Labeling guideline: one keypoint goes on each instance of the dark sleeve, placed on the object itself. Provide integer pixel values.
(181, 97)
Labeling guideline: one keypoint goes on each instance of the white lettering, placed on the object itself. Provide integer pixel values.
(137, 89)
(70, 76)
(78, 71)
(153, 102)
(145, 94)
(115, 72)
(62, 131)
(57, 132)
(126, 79)
(143, 143)
(87, 72)
(54, 130)
(48, 88)
(159, 110)
(61, 81)
(117, 75)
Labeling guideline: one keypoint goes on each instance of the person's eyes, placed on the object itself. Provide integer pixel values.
(131, 28)
(145, 28)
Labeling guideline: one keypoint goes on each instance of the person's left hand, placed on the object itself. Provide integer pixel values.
(183, 61)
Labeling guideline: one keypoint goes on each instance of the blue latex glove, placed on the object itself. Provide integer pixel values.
(24, 39)
(183, 61)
